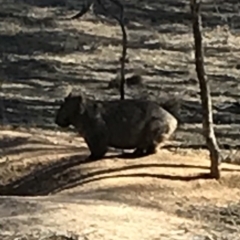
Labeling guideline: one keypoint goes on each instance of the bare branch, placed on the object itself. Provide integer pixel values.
(84, 10)
(208, 130)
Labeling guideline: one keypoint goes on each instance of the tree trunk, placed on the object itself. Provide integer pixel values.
(208, 130)
(123, 58)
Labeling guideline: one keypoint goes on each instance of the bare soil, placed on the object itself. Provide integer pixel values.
(46, 186)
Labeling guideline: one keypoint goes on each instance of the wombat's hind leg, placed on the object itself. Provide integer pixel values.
(97, 152)
(96, 156)
(149, 150)
(138, 152)
(154, 137)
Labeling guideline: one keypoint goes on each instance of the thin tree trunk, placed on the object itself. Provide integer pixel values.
(120, 20)
(123, 59)
(208, 130)
(124, 46)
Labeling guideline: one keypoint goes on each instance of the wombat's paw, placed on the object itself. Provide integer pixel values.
(138, 153)
(151, 150)
(144, 152)
(93, 157)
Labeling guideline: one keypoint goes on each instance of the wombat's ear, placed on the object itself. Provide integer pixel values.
(81, 102)
(67, 97)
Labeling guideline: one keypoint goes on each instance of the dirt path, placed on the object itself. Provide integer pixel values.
(163, 196)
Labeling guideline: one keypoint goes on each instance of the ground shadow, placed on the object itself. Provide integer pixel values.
(223, 218)
(156, 13)
(7, 142)
(20, 112)
(69, 172)
(44, 150)
(58, 42)
(20, 208)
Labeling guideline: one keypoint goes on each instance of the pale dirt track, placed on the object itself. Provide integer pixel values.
(160, 197)
(163, 196)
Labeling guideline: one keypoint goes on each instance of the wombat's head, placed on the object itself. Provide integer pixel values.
(72, 106)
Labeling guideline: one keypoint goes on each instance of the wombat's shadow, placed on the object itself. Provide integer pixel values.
(75, 171)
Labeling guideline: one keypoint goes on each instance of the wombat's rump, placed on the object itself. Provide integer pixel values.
(125, 124)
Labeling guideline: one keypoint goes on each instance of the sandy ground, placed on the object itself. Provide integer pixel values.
(45, 184)
(163, 196)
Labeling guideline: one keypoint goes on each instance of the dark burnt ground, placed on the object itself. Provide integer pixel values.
(42, 52)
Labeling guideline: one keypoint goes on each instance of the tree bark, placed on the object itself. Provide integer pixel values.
(123, 58)
(208, 130)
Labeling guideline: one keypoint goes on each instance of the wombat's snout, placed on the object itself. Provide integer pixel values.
(61, 122)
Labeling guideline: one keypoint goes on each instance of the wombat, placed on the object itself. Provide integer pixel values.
(136, 124)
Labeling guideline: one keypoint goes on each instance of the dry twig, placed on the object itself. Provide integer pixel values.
(120, 21)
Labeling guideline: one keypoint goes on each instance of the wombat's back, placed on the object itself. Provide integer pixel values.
(126, 120)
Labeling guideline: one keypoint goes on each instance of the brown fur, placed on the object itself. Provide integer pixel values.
(125, 124)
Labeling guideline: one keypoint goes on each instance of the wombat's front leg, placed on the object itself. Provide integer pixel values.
(141, 152)
(97, 143)
(151, 149)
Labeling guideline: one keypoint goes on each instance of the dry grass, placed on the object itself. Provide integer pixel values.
(165, 196)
